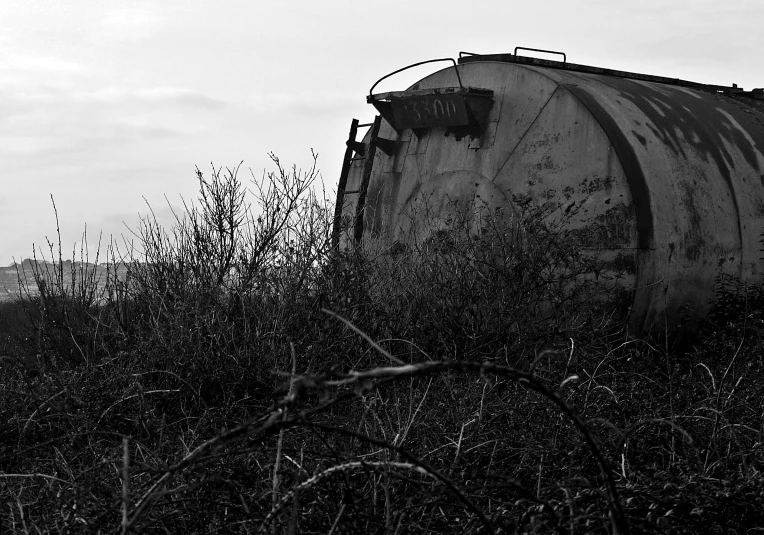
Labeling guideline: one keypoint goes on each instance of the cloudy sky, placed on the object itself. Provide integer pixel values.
(106, 105)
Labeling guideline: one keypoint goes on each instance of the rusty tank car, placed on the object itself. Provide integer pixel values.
(669, 173)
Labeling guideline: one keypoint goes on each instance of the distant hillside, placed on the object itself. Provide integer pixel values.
(18, 276)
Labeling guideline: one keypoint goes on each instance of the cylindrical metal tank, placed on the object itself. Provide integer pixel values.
(669, 174)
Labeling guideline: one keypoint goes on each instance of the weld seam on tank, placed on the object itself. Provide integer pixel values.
(635, 179)
(530, 127)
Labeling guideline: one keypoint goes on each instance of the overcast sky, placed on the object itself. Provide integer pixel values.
(104, 103)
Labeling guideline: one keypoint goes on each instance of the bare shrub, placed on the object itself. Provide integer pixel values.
(217, 296)
(64, 301)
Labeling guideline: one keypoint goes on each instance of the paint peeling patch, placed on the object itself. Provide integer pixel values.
(546, 163)
(693, 123)
(657, 108)
(613, 229)
(676, 148)
(742, 140)
(598, 183)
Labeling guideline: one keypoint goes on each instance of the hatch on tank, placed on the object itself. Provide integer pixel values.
(462, 110)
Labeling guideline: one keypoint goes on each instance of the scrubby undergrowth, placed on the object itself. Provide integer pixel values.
(246, 378)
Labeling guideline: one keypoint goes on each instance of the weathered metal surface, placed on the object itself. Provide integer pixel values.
(669, 176)
(430, 110)
(449, 107)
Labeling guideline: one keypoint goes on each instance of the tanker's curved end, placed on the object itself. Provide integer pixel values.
(668, 175)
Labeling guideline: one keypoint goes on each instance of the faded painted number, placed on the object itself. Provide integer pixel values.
(429, 110)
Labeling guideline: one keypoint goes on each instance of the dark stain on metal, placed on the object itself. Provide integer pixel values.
(609, 230)
(640, 138)
(547, 163)
(745, 147)
(700, 125)
(635, 177)
(596, 183)
(622, 263)
(694, 242)
(669, 142)
(692, 247)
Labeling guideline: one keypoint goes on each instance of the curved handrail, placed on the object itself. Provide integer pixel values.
(416, 65)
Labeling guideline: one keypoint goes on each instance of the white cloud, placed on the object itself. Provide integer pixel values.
(310, 102)
(154, 97)
(129, 23)
(50, 116)
(15, 62)
(180, 96)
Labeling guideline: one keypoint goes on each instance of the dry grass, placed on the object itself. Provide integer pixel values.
(246, 378)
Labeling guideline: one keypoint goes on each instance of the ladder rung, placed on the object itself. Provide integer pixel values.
(357, 158)
(364, 125)
(351, 191)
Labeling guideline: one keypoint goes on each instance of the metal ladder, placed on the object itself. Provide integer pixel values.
(366, 153)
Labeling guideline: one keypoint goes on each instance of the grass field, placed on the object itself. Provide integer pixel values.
(243, 377)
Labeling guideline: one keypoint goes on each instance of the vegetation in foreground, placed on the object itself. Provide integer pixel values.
(245, 378)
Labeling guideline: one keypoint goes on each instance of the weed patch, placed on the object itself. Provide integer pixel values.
(247, 377)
